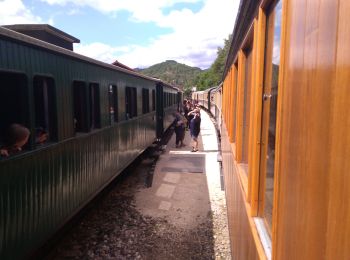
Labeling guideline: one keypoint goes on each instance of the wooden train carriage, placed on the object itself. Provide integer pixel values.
(199, 97)
(215, 97)
(286, 137)
(203, 98)
(99, 119)
(210, 99)
(196, 96)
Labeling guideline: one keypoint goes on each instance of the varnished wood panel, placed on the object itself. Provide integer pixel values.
(242, 241)
(229, 119)
(338, 239)
(247, 83)
(240, 103)
(256, 106)
(306, 126)
(232, 102)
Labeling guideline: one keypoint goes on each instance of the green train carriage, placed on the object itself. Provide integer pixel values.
(99, 118)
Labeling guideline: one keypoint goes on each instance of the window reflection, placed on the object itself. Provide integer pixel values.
(272, 61)
(246, 107)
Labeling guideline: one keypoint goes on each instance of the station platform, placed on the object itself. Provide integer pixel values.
(187, 189)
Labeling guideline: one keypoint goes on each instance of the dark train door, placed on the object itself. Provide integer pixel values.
(159, 110)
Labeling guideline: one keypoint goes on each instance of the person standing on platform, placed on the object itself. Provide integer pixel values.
(195, 128)
(179, 124)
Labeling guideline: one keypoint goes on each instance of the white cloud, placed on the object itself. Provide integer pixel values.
(194, 40)
(14, 12)
(100, 51)
(142, 10)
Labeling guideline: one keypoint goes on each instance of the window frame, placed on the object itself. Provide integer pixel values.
(130, 102)
(21, 112)
(80, 117)
(113, 102)
(153, 100)
(266, 108)
(51, 117)
(94, 106)
(243, 168)
(145, 101)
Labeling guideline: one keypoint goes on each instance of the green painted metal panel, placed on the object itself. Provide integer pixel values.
(40, 190)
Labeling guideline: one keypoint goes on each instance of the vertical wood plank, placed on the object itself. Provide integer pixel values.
(338, 239)
(254, 165)
(304, 129)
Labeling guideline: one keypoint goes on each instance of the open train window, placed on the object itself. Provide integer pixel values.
(130, 102)
(145, 101)
(94, 106)
(14, 105)
(80, 97)
(45, 112)
(153, 100)
(113, 103)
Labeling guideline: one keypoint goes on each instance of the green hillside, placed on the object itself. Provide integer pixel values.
(186, 77)
(174, 73)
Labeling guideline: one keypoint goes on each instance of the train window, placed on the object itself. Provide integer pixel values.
(113, 103)
(130, 102)
(80, 97)
(14, 105)
(235, 89)
(45, 112)
(153, 100)
(246, 106)
(145, 101)
(94, 106)
(272, 62)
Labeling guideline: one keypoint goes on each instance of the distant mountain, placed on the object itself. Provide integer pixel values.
(174, 73)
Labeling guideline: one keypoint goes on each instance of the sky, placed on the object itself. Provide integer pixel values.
(138, 33)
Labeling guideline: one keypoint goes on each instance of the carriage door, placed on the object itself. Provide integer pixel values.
(159, 110)
(269, 111)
